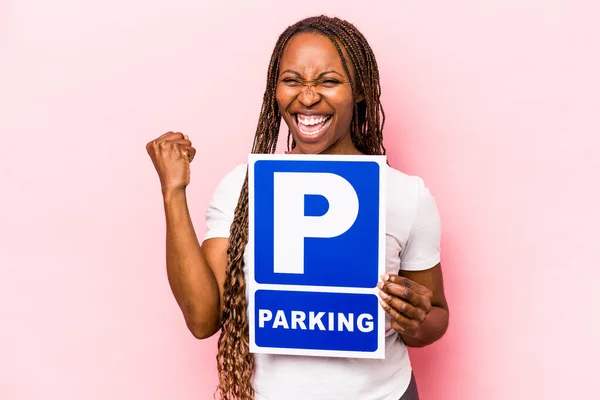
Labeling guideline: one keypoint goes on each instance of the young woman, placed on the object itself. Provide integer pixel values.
(323, 82)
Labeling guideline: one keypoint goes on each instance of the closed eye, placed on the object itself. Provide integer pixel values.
(297, 82)
(291, 81)
(330, 82)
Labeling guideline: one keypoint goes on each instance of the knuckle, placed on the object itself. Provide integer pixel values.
(414, 325)
(402, 306)
(426, 300)
(399, 327)
(415, 314)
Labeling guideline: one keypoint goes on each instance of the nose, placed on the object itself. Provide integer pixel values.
(308, 97)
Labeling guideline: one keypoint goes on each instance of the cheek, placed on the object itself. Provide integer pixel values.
(282, 97)
(345, 106)
(341, 98)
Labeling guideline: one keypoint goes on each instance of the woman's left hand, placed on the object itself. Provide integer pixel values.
(407, 302)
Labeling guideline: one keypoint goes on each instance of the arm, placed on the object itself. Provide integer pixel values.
(416, 304)
(415, 298)
(196, 273)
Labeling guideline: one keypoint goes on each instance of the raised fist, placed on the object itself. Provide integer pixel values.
(171, 154)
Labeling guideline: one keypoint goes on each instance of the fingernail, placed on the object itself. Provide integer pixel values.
(384, 295)
(380, 285)
(386, 277)
(186, 137)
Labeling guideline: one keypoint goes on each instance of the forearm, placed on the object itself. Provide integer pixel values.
(192, 281)
(431, 330)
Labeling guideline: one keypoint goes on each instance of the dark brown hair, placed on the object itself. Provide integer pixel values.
(234, 361)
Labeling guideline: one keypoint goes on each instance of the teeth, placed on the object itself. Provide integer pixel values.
(311, 120)
(312, 133)
(315, 133)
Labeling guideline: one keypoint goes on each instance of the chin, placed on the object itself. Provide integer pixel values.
(310, 148)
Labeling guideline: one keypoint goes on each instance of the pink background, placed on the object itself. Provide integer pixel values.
(494, 104)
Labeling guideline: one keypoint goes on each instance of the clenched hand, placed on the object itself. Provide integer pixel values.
(171, 154)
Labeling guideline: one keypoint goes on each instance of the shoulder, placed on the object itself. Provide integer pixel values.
(409, 199)
(231, 183)
(405, 186)
(413, 220)
(235, 176)
(228, 189)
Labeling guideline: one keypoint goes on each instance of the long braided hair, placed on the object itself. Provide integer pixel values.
(234, 361)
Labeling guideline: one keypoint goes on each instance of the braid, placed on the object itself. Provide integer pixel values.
(233, 343)
(234, 361)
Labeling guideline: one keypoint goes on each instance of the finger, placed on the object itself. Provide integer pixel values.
(171, 136)
(404, 308)
(191, 153)
(404, 293)
(174, 144)
(406, 282)
(403, 324)
(182, 142)
(188, 152)
(405, 329)
(153, 144)
(164, 134)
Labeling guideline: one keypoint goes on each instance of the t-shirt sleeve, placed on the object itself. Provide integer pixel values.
(422, 249)
(221, 208)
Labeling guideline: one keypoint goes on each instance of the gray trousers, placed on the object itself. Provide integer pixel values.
(411, 392)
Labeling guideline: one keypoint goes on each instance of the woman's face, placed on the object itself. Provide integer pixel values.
(314, 95)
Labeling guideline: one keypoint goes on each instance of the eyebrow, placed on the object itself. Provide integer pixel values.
(322, 74)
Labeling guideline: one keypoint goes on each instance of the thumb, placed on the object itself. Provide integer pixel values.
(191, 153)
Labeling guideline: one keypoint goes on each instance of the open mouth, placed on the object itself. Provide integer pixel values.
(312, 126)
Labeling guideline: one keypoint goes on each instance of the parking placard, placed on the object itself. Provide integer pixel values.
(317, 250)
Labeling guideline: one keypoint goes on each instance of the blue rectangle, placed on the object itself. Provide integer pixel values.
(300, 336)
(347, 260)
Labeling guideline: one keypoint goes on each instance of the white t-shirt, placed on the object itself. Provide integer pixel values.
(412, 243)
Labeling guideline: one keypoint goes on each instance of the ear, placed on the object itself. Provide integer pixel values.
(360, 96)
